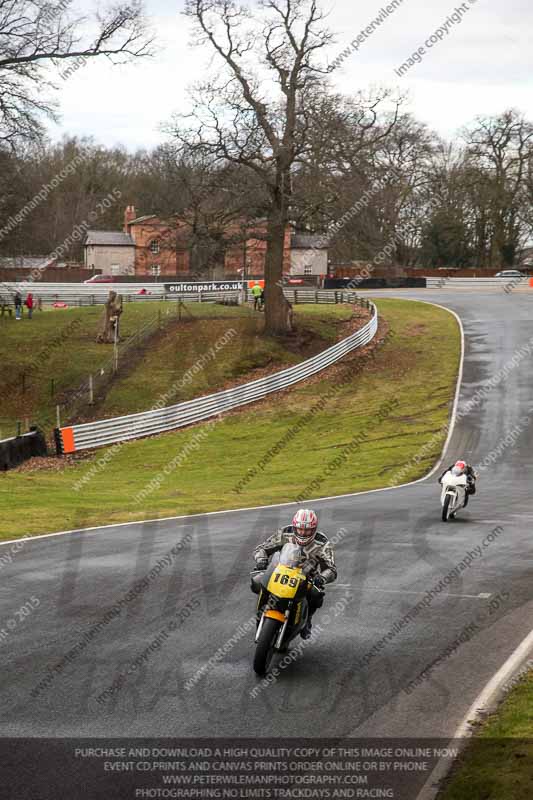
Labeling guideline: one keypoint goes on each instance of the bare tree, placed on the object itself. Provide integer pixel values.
(238, 118)
(499, 152)
(35, 34)
(345, 134)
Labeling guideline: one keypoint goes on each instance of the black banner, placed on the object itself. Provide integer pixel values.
(354, 284)
(20, 448)
(223, 769)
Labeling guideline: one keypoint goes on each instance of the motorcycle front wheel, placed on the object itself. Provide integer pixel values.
(265, 646)
(446, 508)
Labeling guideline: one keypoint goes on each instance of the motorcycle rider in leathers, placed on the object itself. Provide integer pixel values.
(316, 547)
(462, 468)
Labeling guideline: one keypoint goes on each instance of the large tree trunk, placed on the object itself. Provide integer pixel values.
(277, 318)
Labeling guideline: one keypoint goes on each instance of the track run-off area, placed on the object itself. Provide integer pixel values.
(173, 595)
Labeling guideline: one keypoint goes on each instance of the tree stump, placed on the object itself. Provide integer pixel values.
(289, 315)
(110, 323)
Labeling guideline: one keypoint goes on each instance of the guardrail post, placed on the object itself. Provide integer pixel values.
(295, 297)
(57, 442)
(200, 297)
(58, 416)
(19, 427)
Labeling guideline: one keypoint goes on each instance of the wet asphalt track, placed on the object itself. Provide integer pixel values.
(395, 550)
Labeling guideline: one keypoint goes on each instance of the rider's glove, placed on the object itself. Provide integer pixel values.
(319, 582)
(261, 563)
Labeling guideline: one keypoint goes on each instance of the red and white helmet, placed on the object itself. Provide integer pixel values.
(305, 523)
(459, 468)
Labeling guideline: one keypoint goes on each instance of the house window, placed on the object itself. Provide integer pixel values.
(308, 269)
(154, 247)
(155, 269)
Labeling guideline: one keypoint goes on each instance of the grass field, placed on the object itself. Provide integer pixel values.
(372, 423)
(242, 349)
(498, 762)
(59, 346)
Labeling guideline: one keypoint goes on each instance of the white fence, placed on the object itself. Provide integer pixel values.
(134, 426)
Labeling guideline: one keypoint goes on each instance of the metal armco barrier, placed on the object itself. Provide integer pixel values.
(83, 295)
(80, 294)
(478, 283)
(134, 426)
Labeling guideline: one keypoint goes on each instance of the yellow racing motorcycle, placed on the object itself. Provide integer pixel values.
(282, 604)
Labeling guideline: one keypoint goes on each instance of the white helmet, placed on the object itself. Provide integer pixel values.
(305, 523)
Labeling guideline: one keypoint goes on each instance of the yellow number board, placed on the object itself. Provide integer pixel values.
(285, 581)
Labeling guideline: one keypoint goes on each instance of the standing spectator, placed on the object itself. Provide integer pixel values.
(29, 304)
(18, 306)
(262, 300)
(256, 294)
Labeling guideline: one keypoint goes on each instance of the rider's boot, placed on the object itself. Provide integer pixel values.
(307, 631)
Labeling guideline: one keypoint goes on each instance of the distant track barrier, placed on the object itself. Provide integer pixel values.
(479, 283)
(80, 294)
(20, 448)
(148, 423)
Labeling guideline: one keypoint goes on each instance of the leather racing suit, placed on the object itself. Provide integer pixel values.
(319, 553)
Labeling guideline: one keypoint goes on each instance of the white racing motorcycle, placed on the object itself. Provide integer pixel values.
(453, 495)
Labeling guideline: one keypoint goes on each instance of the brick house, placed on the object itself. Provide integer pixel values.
(152, 246)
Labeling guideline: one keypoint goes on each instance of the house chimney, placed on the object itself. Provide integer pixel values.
(129, 216)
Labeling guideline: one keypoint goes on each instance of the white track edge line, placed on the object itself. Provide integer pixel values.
(494, 687)
(452, 421)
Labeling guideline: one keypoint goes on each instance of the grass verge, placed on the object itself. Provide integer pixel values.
(498, 763)
(45, 358)
(367, 429)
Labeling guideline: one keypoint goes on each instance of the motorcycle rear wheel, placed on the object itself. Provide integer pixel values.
(265, 646)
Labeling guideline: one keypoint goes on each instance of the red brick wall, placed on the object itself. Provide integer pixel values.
(174, 256)
(255, 254)
(143, 234)
(60, 275)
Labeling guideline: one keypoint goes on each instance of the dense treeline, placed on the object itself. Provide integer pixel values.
(466, 203)
(360, 168)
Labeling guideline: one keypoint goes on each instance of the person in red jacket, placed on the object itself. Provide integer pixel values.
(29, 304)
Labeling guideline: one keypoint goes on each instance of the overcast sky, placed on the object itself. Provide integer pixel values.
(481, 66)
